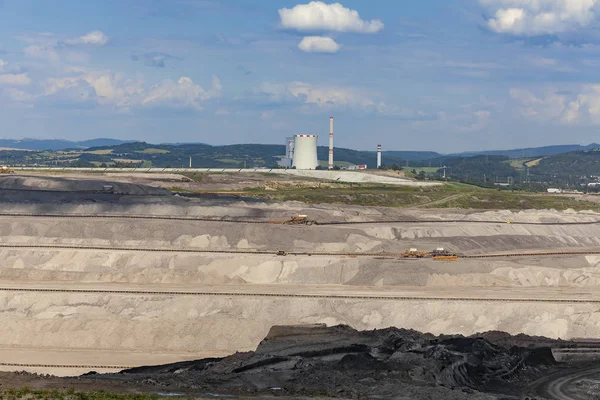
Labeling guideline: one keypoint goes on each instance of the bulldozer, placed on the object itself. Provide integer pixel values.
(295, 220)
(5, 170)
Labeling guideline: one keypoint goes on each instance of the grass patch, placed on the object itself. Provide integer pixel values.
(71, 394)
(153, 151)
(363, 195)
(229, 161)
(100, 152)
(517, 163)
(450, 195)
(126, 161)
(427, 170)
(493, 199)
(195, 176)
(177, 189)
(533, 163)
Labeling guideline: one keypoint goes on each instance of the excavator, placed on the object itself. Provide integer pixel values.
(441, 254)
(295, 220)
(414, 253)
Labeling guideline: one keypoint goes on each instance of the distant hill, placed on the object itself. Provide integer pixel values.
(569, 165)
(359, 157)
(532, 152)
(411, 155)
(231, 156)
(56, 144)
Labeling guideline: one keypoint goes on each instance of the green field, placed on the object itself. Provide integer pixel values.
(100, 152)
(450, 195)
(70, 394)
(517, 163)
(152, 151)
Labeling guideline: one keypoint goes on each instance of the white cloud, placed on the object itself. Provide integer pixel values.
(550, 105)
(50, 47)
(579, 106)
(318, 44)
(317, 15)
(479, 120)
(17, 95)
(3, 64)
(43, 51)
(181, 94)
(96, 38)
(302, 95)
(109, 88)
(14, 80)
(540, 17)
(322, 96)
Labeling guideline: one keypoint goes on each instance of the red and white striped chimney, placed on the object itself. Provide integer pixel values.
(331, 143)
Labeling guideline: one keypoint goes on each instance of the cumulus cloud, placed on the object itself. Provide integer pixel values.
(540, 17)
(14, 80)
(50, 47)
(154, 59)
(181, 94)
(318, 16)
(95, 38)
(109, 88)
(16, 95)
(318, 44)
(568, 107)
(301, 93)
(549, 105)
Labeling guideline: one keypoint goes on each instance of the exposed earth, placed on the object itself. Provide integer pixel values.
(108, 280)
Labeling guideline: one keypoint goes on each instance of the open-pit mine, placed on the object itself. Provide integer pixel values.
(102, 273)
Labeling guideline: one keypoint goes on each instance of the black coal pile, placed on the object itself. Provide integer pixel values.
(342, 362)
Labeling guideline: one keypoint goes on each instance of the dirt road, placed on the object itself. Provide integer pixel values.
(571, 384)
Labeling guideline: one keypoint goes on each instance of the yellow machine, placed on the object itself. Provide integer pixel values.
(414, 253)
(441, 254)
(5, 170)
(295, 220)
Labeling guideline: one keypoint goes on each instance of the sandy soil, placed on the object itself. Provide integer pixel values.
(134, 327)
(339, 176)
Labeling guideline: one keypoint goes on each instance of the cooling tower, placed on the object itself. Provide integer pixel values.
(305, 152)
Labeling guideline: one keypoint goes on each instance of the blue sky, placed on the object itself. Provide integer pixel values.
(412, 75)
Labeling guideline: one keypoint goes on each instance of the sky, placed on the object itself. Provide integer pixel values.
(440, 75)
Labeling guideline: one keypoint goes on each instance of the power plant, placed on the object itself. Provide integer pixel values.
(301, 151)
(305, 152)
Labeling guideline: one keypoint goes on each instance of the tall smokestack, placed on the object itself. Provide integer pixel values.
(378, 156)
(331, 143)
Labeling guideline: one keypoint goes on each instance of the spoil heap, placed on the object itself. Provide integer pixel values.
(342, 362)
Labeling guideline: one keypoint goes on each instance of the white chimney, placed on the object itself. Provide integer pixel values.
(331, 143)
(378, 156)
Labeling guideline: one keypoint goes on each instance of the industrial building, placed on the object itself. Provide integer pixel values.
(287, 161)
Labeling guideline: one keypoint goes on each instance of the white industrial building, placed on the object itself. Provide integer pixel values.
(305, 152)
(287, 161)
